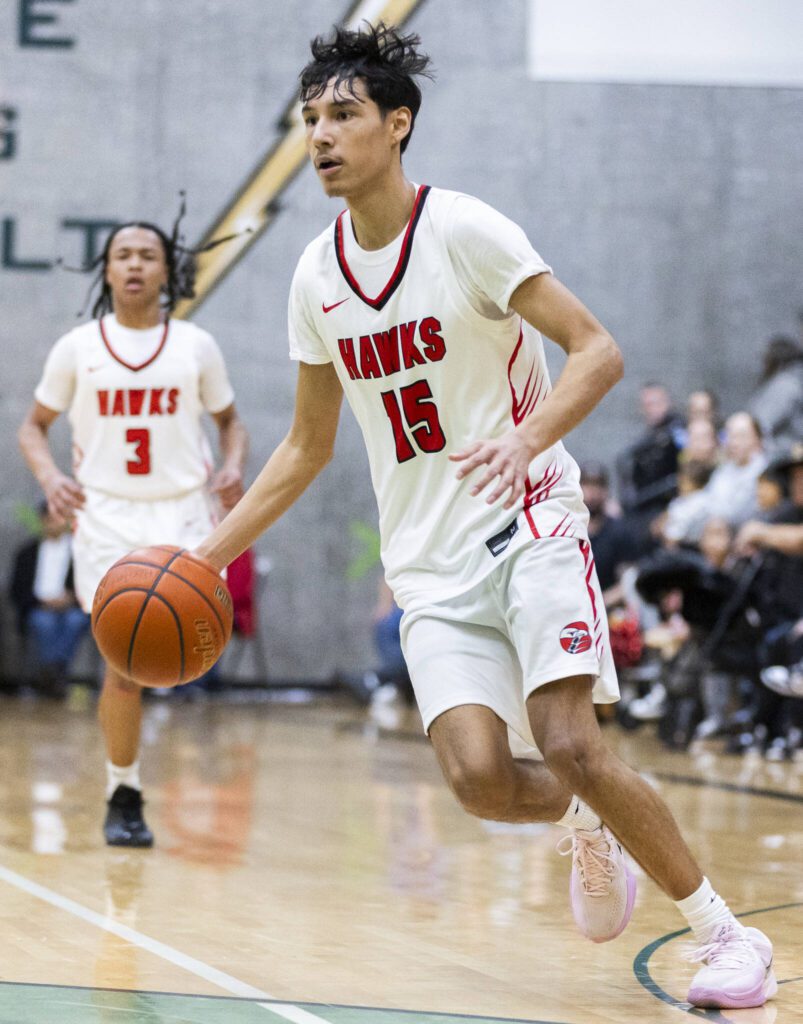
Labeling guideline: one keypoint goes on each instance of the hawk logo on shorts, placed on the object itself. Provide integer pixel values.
(575, 638)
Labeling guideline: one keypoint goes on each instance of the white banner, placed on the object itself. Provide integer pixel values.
(703, 42)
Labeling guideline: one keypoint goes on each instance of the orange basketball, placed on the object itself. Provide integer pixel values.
(162, 616)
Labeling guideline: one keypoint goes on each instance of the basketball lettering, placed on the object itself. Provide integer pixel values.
(206, 644)
(223, 595)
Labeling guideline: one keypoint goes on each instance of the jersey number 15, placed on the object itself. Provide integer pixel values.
(421, 415)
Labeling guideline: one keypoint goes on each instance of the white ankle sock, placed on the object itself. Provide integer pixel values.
(705, 911)
(117, 776)
(580, 815)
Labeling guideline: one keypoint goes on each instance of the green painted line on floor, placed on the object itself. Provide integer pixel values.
(46, 1004)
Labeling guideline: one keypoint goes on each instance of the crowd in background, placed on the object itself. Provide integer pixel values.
(699, 550)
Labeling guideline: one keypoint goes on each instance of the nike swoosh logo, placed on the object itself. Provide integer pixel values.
(328, 309)
(94, 369)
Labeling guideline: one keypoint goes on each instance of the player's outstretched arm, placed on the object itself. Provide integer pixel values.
(593, 366)
(296, 462)
(63, 494)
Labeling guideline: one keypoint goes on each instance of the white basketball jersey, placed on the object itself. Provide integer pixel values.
(431, 358)
(135, 400)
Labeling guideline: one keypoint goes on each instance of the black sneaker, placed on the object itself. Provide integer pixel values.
(124, 824)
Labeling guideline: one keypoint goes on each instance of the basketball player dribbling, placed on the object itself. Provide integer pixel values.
(425, 307)
(135, 384)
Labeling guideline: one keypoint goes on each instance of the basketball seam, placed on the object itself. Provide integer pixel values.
(148, 596)
(172, 572)
(195, 559)
(111, 597)
(179, 630)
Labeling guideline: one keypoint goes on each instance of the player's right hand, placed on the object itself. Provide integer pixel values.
(507, 458)
(64, 495)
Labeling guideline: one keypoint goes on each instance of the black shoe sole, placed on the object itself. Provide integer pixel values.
(136, 844)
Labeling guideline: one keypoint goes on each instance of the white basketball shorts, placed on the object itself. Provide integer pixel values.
(538, 617)
(108, 528)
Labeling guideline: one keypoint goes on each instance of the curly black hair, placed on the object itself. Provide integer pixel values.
(380, 56)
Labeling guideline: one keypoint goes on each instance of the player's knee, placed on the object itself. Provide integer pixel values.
(483, 788)
(574, 759)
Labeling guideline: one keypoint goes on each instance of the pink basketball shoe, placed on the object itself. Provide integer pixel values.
(738, 969)
(603, 888)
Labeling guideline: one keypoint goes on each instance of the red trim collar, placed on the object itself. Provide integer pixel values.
(401, 265)
(130, 366)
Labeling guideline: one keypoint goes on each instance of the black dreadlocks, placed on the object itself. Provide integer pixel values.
(182, 265)
(380, 56)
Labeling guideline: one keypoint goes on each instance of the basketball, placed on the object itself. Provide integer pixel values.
(162, 616)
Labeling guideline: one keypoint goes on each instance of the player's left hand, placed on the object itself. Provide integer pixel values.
(507, 458)
(227, 484)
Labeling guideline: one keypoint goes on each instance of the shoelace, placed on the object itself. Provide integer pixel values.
(594, 861)
(728, 949)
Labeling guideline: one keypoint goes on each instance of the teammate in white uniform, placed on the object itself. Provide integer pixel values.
(424, 307)
(134, 384)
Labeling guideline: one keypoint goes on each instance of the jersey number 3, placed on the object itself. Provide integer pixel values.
(140, 437)
(421, 415)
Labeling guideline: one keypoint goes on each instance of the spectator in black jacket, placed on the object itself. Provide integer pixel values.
(44, 601)
(648, 468)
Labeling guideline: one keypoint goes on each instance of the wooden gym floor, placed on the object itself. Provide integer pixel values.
(310, 868)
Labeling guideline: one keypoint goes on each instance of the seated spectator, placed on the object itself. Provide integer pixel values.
(720, 681)
(687, 514)
(716, 543)
(666, 639)
(778, 543)
(777, 404)
(647, 469)
(44, 600)
(701, 444)
(702, 405)
(610, 541)
(780, 538)
(769, 491)
(731, 491)
(707, 638)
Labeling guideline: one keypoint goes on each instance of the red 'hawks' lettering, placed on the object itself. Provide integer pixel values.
(410, 354)
(403, 346)
(369, 364)
(434, 345)
(386, 344)
(138, 401)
